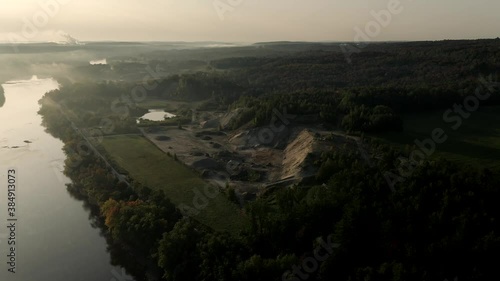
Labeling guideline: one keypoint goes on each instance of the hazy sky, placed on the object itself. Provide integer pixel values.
(250, 21)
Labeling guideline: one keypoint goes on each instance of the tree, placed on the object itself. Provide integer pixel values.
(178, 253)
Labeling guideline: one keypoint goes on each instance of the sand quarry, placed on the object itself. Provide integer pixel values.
(250, 160)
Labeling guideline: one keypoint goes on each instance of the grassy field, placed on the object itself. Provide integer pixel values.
(476, 142)
(152, 167)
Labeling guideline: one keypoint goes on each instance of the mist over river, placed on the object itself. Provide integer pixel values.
(54, 238)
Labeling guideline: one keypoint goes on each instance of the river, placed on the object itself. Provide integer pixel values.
(55, 240)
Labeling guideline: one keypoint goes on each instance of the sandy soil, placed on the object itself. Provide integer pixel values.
(244, 158)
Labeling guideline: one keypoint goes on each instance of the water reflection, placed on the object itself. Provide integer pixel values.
(99, 62)
(55, 240)
(157, 115)
(120, 257)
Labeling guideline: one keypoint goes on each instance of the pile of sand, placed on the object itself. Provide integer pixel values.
(296, 152)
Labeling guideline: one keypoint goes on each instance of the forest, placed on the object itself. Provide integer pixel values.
(389, 218)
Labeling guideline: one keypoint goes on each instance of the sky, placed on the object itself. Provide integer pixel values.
(248, 20)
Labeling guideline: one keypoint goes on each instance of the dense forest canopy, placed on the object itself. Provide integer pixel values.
(389, 218)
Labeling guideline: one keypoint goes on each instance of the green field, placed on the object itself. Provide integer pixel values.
(152, 167)
(476, 142)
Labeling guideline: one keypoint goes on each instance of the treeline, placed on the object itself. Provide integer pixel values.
(405, 77)
(198, 86)
(133, 218)
(333, 109)
(365, 109)
(413, 64)
(108, 106)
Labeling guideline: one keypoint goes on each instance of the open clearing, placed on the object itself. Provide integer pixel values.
(151, 167)
(476, 142)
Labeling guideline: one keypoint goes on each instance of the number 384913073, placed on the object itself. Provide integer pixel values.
(11, 189)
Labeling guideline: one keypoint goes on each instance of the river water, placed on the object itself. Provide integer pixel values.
(55, 240)
(156, 115)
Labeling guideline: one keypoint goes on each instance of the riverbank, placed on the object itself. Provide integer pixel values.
(54, 228)
(93, 182)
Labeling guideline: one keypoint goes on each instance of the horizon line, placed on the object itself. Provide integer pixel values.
(241, 42)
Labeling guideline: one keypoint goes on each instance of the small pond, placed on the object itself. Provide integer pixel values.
(99, 62)
(156, 115)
